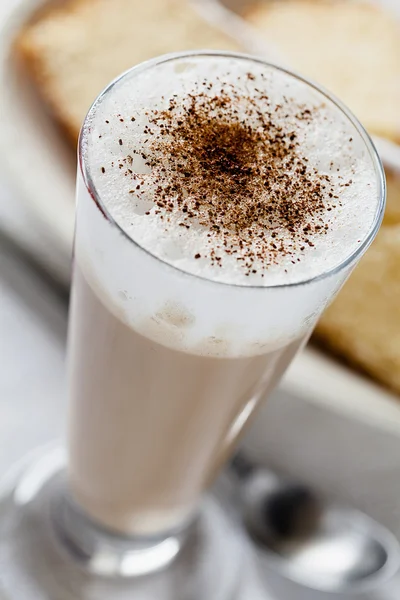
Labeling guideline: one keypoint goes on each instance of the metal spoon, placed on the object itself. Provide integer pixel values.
(315, 543)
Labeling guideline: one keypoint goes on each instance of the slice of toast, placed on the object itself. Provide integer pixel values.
(351, 48)
(75, 48)
(363, 322)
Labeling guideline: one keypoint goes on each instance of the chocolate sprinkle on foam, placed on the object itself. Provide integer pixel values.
(232, 175)
(232, 165)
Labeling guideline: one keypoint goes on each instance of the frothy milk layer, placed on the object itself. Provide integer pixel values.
(258, 180)
(231, 170)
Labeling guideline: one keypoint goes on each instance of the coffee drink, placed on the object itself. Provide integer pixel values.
(217, 199)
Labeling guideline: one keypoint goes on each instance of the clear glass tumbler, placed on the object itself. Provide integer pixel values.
(159, 396)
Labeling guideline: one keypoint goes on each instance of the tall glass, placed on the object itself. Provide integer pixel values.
(166, 368)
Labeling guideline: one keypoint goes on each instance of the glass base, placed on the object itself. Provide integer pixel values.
(49, 551)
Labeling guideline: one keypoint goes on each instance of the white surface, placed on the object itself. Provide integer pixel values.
(32, 347)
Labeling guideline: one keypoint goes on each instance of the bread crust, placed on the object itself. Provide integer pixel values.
(73, 49)
(351, 48)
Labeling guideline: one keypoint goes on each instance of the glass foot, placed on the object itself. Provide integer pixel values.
(43, 558)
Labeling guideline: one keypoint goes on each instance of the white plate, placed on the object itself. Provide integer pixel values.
(42, 171)
(37, 163)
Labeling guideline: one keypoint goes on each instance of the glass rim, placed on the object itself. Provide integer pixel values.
(361, 131)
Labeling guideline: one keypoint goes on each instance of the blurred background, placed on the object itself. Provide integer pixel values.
(335, 422)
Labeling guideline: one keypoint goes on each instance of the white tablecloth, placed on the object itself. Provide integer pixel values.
(32, 346)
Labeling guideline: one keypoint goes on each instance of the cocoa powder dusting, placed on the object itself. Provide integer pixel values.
(232, 165)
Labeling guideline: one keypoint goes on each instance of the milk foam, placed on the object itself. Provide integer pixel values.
(329, 142)
(163, 299)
